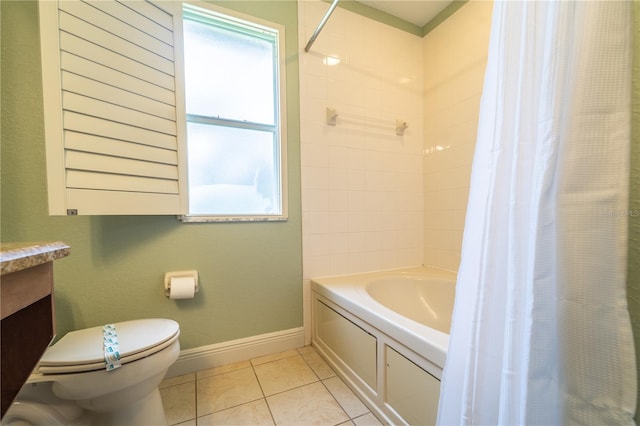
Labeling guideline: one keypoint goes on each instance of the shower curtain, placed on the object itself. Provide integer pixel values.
(541, 332)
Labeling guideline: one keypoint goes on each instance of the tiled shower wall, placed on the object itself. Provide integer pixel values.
(455, 56)
(361, 183)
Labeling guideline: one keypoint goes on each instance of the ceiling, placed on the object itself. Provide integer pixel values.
(418, 12)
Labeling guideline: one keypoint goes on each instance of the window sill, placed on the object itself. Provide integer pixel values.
(231, 219)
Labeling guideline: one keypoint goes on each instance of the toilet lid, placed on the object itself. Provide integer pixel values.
(82, 350)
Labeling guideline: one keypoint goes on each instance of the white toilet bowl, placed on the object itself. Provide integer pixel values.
(72, 386)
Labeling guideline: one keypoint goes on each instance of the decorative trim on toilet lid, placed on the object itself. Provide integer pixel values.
(111, 347)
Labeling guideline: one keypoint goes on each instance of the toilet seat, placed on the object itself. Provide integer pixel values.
(82, 350)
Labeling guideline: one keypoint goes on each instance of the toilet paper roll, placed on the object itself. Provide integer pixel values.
(182, 288)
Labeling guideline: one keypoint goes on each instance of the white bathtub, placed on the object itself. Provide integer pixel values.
(386, 334)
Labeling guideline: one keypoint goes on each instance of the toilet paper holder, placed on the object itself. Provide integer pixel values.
(180, 274)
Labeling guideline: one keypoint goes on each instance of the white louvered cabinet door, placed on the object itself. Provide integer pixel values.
(113, 115)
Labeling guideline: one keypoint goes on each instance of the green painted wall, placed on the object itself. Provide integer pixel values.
(633, 273)
(251, 273)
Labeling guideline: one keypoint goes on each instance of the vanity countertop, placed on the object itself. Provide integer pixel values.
(19, 256)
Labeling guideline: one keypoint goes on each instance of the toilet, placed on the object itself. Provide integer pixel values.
(71, 385)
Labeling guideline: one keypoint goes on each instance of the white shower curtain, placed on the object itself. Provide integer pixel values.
(541, 332)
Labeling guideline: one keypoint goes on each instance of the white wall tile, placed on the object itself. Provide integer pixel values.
(454, 60)
(316, 222)
(388, 201)
(314, 155)
(315, 266)
(338, 222)
(316, 87)
(338, 200)
(314, 245)
(315, 178)
(339, 264)
(315, 200)
(362, 185)
(339, 242)
(373, 260)
(338, 179)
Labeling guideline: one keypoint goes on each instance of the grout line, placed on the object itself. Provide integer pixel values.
(195, 403)
(264, 396)
(273, 419)
(308, 365)
(253, 370)
(232, 407)
(336, 400)
(325, 386)
(293, 388)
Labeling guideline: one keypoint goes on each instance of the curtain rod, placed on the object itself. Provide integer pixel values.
(324, 21)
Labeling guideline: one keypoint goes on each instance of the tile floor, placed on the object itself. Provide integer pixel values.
(289, 388)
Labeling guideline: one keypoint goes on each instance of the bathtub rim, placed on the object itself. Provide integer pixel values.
(349, 292)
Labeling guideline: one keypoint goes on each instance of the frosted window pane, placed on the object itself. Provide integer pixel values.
(231, 171)
(228, 74)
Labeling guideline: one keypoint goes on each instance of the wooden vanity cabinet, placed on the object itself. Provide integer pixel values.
(26, 310)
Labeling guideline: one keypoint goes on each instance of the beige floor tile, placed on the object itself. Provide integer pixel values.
(345, 397)
(188, 423)
(227, 390)
(274, 357)
(367, 420)
(307, 405)
(315, 361)
(284, 374)
(179, 402)
(223, 369)
(254, 413)
(305, 349)
(177, 380)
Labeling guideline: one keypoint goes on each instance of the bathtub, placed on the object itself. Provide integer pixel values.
(386, 334)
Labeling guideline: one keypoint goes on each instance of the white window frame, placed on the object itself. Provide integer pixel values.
(280, 109)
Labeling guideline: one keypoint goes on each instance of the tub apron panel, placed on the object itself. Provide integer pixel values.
(392, 362)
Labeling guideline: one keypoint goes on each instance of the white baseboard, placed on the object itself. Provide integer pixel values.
(204, 357)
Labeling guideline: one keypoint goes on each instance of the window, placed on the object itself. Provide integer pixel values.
(232, 97)
(163, 108)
